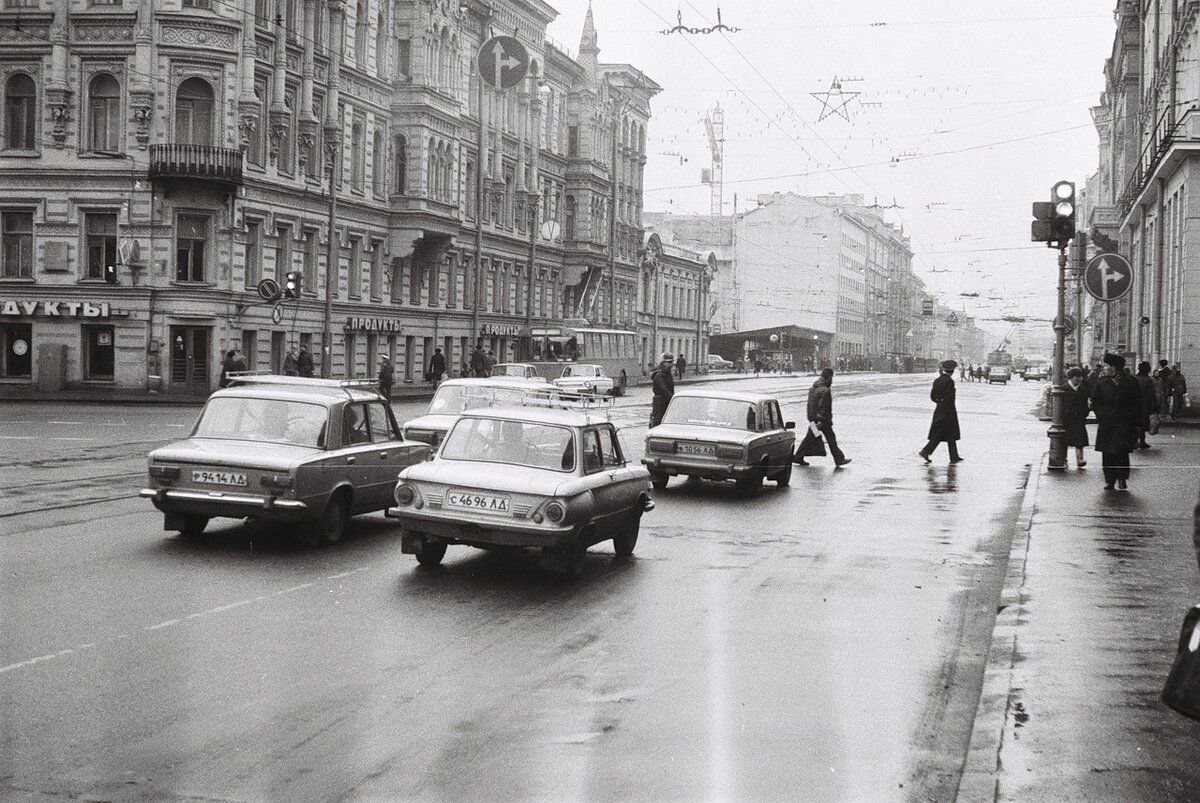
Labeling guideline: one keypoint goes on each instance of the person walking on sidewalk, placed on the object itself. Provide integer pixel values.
(1075, 410)
(681, 365)
(291, 364)
(304, 363)
(944, 426)
(387, 375)
(437, 367)
(1162, 391)
(1149, 400)
(1178, 386)
(1117, 401)
(664, 387)
(820, 415)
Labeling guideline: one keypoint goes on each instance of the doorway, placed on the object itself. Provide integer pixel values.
(189, 359)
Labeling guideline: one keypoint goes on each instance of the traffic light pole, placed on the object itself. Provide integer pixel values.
(1058, 430)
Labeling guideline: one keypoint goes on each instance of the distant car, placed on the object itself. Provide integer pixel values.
(1038, 372)
(716, 362)
(721, 435)
(548, 478)
(456, 395)
(585, 378)
(520, 370)
(999, 373)
(283, 449)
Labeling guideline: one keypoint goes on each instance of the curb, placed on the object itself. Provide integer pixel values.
(979, 779)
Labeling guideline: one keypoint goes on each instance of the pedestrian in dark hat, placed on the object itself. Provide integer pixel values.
(663, 384)
(387, 375)
(1075, 410)
(304, 362)
(1117, 402)
(944, 426)
(1149, 401)
(820, 418)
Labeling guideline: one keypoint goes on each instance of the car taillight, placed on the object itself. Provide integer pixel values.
(165, 473)
(729, 451)
(404, 495)
(555, 512)
(281, 481)
(660, 445)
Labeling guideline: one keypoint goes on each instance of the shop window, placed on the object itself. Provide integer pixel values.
(104, 114)
(16, 239)
(16, 350)
(102, 247)
(20, 112)
(98, 353)
(191, 238)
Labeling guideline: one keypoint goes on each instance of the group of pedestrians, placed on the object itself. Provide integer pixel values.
(974, 373)
(294, 364)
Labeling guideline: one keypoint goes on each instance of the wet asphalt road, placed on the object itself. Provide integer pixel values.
(822, 641)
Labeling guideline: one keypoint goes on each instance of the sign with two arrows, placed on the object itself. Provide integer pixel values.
(503, 62)
(1108, 277)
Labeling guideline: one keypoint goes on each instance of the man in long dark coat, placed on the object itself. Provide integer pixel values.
(1149, 402)
(944, 426)
(1117, 402)
(437, 367)
(664, 387)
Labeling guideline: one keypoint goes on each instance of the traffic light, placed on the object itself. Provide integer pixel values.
(1042, 214)
(291, 284)
(1062, 223)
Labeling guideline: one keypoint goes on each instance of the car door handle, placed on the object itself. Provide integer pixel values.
(350, 460)
(383, 455)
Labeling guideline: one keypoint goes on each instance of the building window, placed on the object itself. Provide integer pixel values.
(104, 114)
(186, 3)
(253, 253)
(471, 190)
(20, 3)
(569, 224)
(401, 147)
(194, 112)
(378, 165)
(16, 232)
(254, 140)
(310, 261)
(354, 274)
(404, 58)
(283, 252)
(101, 246)
(16, 342)
(361, 30)
(572, 140)
(287, 147)
(98, 353)
(380, 48)
(377, 271)
(357, 156)
(20, 112)
(191, 236)
(262, 13)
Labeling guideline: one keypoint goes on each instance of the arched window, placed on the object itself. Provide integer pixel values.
(449, 190)
(400, 144)
(569, 224)
(380, 48)
(104, 114)
(444, 61)
(20, 112)
(356, 156)
(194, 112)
(378, 163)
(431, 169)
(361, 29)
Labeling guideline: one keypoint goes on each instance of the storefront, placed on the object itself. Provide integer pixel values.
(52, 344)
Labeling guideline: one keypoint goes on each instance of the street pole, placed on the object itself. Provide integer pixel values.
(618, 110)
(331, 273)
(1058, 430)
(477, 278)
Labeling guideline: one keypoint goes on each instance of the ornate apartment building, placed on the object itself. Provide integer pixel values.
(160, 158)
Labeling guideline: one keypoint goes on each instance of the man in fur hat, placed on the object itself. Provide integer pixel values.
(1117, 403)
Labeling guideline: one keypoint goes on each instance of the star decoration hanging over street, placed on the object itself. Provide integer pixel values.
(834, 100)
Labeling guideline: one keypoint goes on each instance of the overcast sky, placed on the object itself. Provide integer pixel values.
(985, 105)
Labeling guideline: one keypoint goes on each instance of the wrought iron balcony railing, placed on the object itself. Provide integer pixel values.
(200, 162)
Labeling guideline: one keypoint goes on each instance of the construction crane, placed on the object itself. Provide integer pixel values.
(714, 124)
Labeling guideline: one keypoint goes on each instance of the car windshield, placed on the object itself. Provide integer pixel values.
(454, 399)
(517, 443)
(710, 412)
(264, 421)
(510, 370)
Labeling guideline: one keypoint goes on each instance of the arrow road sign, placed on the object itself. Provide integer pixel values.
(1108, 277)
(277, 313)
(503, 62)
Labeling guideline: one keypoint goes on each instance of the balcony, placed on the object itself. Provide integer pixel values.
(175, 161)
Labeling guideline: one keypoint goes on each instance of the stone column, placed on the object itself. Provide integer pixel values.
(279, 115)
(248, 111)
(141, 89)
(58, 91)
(310, 126)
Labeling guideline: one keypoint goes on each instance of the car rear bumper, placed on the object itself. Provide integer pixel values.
(205, 503)
(497, 533)
(699, 468)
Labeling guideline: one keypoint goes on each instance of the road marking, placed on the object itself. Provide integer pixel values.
(73, 423)
(161, 625)
(19, 437)
(71, 439)
(37, 660)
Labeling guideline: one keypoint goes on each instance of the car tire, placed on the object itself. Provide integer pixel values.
(659, 480)
(751, 484)
(626, 539)
(193, 526)
(430, 552)
(784, 478)
(332, 525)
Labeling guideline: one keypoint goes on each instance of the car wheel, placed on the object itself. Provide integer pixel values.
(431, 551)
(783, 478)
(751, 484)
(659, 480)
(626, 539)
(193, 526)
(334, 521)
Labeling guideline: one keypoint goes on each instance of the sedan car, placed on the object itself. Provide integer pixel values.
(999, 373)
(1038, 372)
(283, 449)
(715, 362)
(544, 477)
(519, 370)
(456, 395)
(721, 435)
(585, 378)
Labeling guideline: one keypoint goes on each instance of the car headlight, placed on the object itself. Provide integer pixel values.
(556, 512)
(660, 445)
(404, 495)
(728, 451)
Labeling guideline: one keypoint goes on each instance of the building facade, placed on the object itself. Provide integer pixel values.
(162, 158)
(677, 313)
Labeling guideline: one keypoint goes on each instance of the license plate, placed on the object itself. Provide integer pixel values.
(481, 502)
(704, 449)
(219, 478)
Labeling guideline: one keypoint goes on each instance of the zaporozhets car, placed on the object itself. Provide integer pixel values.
(545, 477)
(718, 435)
(456, 395)
(585, 378)
(283, 449)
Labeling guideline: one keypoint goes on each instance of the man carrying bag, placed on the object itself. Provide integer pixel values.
(820, 418)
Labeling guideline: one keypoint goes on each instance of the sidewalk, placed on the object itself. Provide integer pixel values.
(1098, 583)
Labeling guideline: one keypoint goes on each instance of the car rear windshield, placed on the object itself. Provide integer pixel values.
(451, 399)
(264, 421)
(517, 443)
(710, 412)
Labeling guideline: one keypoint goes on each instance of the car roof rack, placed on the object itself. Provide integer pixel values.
(547, 398)
(268, 378)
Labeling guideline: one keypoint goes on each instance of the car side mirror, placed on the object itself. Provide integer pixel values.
(790, 425)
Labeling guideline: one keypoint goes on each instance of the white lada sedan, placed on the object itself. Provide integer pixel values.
(721, 435)
(552, 479)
